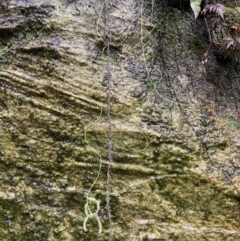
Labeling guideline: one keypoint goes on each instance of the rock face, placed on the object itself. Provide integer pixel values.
(106, 112)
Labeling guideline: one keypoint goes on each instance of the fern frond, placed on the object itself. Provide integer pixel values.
(217, 8)
(236, 27)
(231, 43)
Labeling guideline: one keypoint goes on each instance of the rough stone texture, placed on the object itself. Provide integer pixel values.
(175, 152)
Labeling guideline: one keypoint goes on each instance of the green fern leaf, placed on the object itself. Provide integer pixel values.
(196, 7)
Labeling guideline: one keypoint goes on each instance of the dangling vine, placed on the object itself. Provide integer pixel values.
(108, 78)
(87, 210)
(106, 38)
(153, 84)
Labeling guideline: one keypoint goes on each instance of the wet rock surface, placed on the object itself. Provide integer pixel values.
(174, 136)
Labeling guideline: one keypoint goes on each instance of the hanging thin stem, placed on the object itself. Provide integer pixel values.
(107, 36)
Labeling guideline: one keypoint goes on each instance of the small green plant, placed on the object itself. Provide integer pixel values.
(222, 24)
(196, 7)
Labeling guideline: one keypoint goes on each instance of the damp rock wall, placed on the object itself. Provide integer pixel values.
(106, 103)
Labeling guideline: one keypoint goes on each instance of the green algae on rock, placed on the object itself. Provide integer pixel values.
(175, 170)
